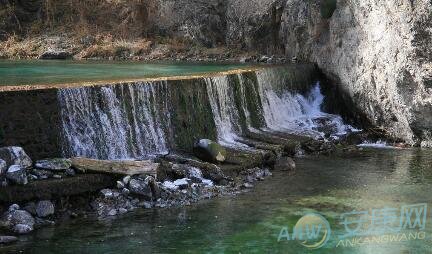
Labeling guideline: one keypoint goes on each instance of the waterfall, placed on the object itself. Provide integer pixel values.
(295, 113)
(224, 109)
(139, 120)
(115, 122)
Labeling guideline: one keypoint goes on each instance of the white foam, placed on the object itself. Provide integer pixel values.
(379, 144)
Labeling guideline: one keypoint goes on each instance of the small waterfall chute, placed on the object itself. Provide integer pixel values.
(224, 109)
(295, 113)
(115, 122)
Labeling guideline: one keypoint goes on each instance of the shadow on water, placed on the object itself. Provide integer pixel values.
(251, 222)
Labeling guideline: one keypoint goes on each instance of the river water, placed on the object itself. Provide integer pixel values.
(35, 72)
(368, 180)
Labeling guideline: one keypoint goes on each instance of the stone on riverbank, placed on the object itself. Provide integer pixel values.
(55, 55)
(44, 208)
(285, 164)
(57, 164)
(17, 175)
(14, 155)
(141, 188)
(42, 174)
(19, 221)
(210, 151)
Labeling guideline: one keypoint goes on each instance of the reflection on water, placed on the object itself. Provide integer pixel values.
(251, 222)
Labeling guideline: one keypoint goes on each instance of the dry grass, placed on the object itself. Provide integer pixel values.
(19, 49)
(106, 47)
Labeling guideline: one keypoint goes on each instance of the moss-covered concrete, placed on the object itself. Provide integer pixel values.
(191, 114)
(31, 119)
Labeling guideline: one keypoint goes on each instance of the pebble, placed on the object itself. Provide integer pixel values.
(248, 185)
(120, 185)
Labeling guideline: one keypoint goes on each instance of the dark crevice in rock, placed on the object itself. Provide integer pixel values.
(338, 101)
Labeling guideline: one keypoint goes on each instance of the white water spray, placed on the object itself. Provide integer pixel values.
(115, 122)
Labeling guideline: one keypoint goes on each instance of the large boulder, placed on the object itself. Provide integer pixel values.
(55, 55)
(14, 155)
(142, 188)
(57, 164)
(44, 208)
(19, 221)
(17, 174)
(210, 151)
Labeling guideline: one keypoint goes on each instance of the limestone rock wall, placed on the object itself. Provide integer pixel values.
(377, 51)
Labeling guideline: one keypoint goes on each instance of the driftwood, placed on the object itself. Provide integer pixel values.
(123, 167)
(290, 144)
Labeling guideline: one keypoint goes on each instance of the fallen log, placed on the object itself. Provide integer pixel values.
(290, 144)
(209, 170)
(122, 167)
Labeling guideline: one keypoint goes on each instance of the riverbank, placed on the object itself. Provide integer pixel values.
(330, 185)
(106, 47)
(48, 192)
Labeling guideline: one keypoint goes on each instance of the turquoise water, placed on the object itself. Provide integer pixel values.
(251, 222)
(61, 72)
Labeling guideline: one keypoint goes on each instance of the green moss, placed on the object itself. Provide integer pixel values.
(253, 100)
(191, 116)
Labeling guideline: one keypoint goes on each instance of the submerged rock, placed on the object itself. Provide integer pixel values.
(8, 239)
(17, 174)
(14, 155)
(57, 164)
(44, 208)
(285, 164)
(210, 151)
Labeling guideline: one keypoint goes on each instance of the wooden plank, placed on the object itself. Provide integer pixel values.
(122, 167)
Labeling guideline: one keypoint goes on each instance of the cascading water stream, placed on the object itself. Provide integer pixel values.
(225, 112)
(115, 122)
(134, 120)
(298, 114)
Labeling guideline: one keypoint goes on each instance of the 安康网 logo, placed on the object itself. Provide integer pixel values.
(312, 231)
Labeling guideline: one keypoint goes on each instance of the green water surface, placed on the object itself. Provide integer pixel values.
(251, 222)
(61, 72)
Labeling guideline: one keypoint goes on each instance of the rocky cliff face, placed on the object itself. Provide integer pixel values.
(378, 52)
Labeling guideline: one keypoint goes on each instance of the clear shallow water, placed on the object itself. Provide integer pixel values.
(60, 72)
(251, 222)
